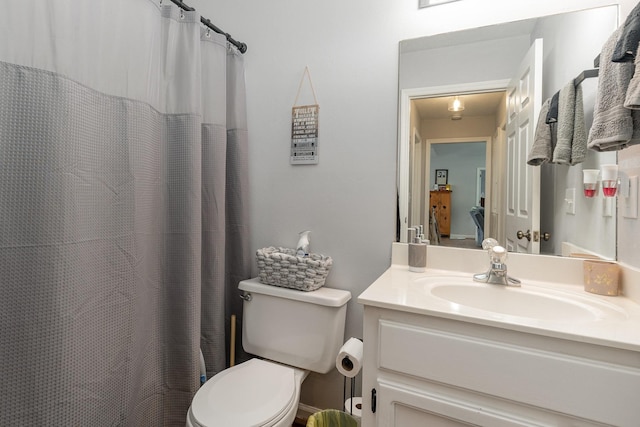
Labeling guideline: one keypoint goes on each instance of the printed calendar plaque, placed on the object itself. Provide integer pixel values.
(304, 135)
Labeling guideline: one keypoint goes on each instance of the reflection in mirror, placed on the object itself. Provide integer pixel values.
(477, 65)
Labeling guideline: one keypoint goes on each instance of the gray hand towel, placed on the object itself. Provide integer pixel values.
(571, 146)
(632, 100)
(635, 137)
(627, 43)
(566, 112)
(552, 115)
(612, 126)
(541, 149)
(579, 143)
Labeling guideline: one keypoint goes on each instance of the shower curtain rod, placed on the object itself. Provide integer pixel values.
(242, 47)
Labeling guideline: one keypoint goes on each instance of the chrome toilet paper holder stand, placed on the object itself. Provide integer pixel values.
(344, 386)
(349, 365)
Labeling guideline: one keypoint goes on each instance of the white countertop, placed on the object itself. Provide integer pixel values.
(399, 289)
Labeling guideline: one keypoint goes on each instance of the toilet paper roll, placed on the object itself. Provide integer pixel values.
(357, 406)
(349, 359)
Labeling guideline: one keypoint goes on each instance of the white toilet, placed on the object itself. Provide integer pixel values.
(294, 332)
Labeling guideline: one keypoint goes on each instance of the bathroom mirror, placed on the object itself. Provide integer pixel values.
(477, 65)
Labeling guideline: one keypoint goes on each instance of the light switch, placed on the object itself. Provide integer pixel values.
(570, 201)
(629, 205)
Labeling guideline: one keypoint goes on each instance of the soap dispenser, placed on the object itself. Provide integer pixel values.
(417, 251)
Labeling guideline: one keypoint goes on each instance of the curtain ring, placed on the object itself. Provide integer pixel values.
(181, 14)
(208, 33)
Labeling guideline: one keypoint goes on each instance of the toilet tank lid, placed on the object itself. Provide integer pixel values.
(323, 296)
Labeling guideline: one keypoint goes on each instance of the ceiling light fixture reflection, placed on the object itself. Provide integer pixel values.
(456, 104)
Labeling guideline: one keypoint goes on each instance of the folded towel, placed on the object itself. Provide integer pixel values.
(542, 148)
(612, 126)
(635, 137)
(566, 107)
(552, 115)
(552, 121)
(579, 143)
(571, 145)
(627, 43)
(632, 99)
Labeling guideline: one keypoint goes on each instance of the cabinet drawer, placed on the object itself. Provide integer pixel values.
(577, 386)
(404, 406)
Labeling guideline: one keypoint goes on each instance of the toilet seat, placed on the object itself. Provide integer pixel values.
(254, 393)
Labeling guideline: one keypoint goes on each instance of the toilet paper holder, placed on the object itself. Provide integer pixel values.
(348, 363)
(344, 393)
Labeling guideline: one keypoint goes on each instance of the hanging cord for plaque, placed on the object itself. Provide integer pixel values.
(304, 128)
(313, 91)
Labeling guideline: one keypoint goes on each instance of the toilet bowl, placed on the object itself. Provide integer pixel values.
(292, 332)
(253, 393)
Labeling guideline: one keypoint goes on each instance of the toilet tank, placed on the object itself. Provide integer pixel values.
(297, 328)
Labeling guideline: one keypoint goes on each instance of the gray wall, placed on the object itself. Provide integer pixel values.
(584, 40)
(462, 161)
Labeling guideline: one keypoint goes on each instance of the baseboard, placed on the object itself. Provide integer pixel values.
(304, 411)
(460, 237)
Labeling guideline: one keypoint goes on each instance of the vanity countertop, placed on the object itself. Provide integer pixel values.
(403, 290)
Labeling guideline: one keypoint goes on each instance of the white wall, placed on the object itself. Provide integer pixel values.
(466, 63)
(349, 199)
(629, 229)
(468, 127)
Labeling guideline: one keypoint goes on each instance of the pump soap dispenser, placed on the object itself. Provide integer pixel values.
(417, 251)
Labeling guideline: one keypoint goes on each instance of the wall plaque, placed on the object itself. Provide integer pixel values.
(304, 128)
(304, 134)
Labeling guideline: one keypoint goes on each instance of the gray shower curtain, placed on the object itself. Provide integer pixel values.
(123, 214)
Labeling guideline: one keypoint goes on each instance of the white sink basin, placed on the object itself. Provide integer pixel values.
(528, 301)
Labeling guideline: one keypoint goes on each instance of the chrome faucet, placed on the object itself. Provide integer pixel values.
(497, 274)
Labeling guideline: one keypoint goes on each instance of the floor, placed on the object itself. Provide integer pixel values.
(459, 243)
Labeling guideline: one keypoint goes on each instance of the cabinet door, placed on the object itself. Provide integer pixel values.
(445, 213)
(589, 389)
(441, 202)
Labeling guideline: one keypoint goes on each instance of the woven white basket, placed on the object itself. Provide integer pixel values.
(282, 267)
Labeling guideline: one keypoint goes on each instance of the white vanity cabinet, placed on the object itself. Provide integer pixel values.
(430, 370)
